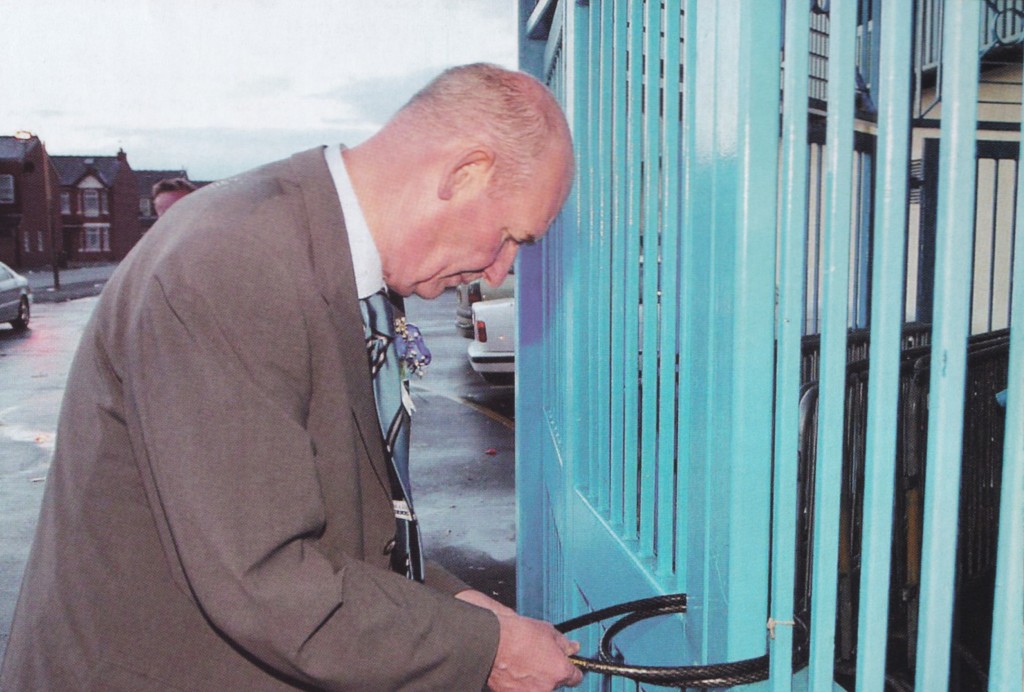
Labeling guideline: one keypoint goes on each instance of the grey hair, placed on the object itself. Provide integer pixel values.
(511, 111)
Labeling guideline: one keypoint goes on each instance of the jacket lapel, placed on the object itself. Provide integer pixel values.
(335, 277)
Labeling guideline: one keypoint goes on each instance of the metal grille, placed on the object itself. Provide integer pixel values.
(774, 364)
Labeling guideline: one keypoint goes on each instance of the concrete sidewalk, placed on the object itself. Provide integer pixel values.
(75, 282)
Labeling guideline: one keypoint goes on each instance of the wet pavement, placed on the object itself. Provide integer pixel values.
(462, 458)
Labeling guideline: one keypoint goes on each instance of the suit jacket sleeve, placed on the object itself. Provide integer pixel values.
(218, 388)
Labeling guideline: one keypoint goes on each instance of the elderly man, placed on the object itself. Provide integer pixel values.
(227, 508)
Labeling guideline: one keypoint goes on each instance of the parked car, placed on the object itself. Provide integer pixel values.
(493, 351)
(15, 298)
(474, 292)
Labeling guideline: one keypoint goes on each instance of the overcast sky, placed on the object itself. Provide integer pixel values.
(219, 86)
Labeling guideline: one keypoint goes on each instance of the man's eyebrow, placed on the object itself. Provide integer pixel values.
(528, 240)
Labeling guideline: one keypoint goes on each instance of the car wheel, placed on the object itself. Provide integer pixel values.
(24, 313)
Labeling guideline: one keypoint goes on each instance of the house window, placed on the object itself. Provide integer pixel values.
(26, 241)
(65, 203)
(103, 202)
(6, 189)
(90, 202)
(145, 206)
(95, 237)
(40, 246)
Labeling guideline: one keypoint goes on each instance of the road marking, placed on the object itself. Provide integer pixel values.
(493, 415)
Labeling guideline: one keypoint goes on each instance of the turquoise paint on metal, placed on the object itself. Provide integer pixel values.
(651, 227)
(631, 321)
(699, 230)
(886, 330)
(574, 268)
(603, 276)
(731, 284)
(668, 397)
(718, 455)
(557, 467)
(710, 268)
(684, 300)
(789, 329)
(540, 515)
(753, 274)
(954, 232)
(530, 528)
(587, 476)
(597, 303)
(1006, 667)
(832, 382)
(618, 270)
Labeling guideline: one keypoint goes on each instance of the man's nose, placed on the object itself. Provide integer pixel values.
(498, 269)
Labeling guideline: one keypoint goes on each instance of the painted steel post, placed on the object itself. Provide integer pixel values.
(832, 387)
(886, 331)
(789, 328)
(955, 231)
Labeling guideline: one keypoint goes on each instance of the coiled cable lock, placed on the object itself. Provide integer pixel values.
(698, 677)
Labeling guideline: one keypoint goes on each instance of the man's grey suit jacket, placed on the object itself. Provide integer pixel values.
(217, 509)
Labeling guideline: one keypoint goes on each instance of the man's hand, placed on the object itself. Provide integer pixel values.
(532, 655)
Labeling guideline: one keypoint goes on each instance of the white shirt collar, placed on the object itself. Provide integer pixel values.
(365, 256)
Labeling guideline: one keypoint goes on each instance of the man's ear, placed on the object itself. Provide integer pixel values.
(470, 168)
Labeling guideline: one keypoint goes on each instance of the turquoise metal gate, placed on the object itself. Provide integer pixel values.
(714, 342)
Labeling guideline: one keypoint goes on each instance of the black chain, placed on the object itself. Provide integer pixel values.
(699, 677)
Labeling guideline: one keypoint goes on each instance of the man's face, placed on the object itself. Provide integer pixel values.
(482, 236)
(163, 201)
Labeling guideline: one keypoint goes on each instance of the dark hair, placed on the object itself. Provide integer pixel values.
(173, 185)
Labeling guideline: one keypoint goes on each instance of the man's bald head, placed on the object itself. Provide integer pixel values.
(511, 111)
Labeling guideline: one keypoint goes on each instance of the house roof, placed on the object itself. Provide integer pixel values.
(71, 169)
(15, 148)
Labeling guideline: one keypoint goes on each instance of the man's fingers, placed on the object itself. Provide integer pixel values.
(568, 646)
(574, 678)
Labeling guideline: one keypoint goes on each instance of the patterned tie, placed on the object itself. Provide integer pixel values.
(391, 390)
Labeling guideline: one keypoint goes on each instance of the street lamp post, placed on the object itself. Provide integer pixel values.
(48, 193)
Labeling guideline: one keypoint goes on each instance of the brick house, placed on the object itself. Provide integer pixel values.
(99, 205)
(25, 231)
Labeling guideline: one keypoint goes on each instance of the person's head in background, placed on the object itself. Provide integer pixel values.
(168, 191)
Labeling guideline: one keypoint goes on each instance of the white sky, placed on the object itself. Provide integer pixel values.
(219, 86)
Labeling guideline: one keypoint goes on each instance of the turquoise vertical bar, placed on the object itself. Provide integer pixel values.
(631, 323)
(684, 299)
(832, 381)
(789, 320)
(892, 154)
(671, 138)
(605, 269)
(1006, 667)
(954, 233)
(588, 283)
(618, 353)
(651, 232)
(529, 402)
(755, 99)
(704, 611)
(575, 258)
(587, 369)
